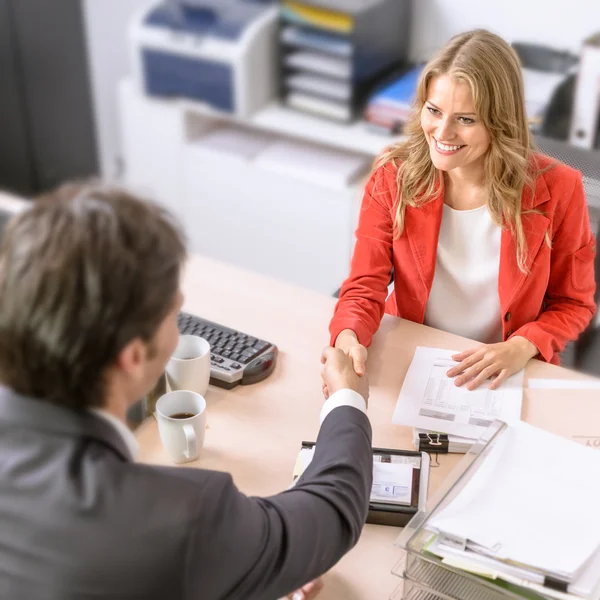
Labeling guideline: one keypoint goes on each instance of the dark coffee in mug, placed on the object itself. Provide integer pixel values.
(183, 415)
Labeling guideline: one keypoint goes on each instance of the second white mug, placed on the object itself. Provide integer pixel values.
(189, 366)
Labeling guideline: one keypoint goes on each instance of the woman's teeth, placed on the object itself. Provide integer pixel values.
(446, 148)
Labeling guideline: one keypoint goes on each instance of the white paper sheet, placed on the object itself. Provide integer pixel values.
(563, 384)
(315, 84)
(392, 482)
(429, 399)
(320, 63)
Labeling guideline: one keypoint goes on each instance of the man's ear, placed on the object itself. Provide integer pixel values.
(132, 357)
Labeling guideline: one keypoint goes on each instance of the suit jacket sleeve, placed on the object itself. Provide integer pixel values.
(264, 548)
(570, 292)
(362, 297)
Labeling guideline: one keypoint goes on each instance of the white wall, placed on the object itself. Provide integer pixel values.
(558, 23)
(106, 23)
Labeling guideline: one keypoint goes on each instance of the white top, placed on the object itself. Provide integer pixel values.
(464, 296)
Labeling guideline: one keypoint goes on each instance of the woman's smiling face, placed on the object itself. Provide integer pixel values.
(456, 137)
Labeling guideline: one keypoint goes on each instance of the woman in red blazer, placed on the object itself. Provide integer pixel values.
(485, 238)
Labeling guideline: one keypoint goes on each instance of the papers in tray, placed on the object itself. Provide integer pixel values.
(314, 40)
(532, 504)
(319, 106)
(316, 62)
(322, 86)
(430, 400)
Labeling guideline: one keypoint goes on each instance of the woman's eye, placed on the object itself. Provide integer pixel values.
(433, 111)
(466, 120)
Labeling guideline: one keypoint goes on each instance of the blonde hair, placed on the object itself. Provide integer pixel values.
(491, 69)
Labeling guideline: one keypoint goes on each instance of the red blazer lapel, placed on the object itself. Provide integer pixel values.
(535, 226)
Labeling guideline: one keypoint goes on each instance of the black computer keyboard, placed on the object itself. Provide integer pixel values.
(235, 357)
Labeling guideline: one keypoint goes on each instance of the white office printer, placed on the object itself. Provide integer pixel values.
(220, 52)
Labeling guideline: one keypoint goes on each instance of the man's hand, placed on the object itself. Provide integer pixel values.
(338, 373)
(309, 591)
(495, 361)
(348, 342)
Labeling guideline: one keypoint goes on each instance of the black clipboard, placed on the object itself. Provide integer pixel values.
(398, 515)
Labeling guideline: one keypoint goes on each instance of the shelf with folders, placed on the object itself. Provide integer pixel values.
(333, 52)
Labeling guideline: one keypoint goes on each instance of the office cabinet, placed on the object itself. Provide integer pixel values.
(239, 193)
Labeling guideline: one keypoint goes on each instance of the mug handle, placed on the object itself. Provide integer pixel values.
(190, 438)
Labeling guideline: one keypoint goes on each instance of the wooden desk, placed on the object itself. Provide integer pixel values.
(254, 432)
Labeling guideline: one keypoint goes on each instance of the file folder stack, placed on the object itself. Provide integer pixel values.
(333, 51)
(392, 106)
(516, 519)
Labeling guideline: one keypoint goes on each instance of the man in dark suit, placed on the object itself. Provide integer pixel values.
(89, 295)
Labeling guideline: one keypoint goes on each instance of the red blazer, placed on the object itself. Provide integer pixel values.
(550, 306)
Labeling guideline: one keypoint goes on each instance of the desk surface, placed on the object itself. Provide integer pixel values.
(271, 418)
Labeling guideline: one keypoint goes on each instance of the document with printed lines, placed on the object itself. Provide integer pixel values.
(429, 399)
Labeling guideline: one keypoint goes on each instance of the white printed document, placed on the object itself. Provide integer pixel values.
(392, 482)
(430, 400)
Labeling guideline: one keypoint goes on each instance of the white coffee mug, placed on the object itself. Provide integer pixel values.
(181, 417)
(189, 366)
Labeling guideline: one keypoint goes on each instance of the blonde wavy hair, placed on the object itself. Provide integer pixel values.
(491, 69)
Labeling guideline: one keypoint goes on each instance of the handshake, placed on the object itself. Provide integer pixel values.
(340, 372)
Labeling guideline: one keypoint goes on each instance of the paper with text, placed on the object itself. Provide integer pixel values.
(429, 399)
(392, 482)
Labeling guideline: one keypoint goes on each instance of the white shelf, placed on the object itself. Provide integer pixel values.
(275, 118)
(355, 137)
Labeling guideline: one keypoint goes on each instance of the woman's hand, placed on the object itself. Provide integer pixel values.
(492, 361)
(349, 344)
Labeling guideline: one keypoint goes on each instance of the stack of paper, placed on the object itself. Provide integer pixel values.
(315, 40)
(529, 516)
(318, 71)
(315, 62)
(429, 400)
(310, 16)
(332, 168)
(392, 106)
(319, 106)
